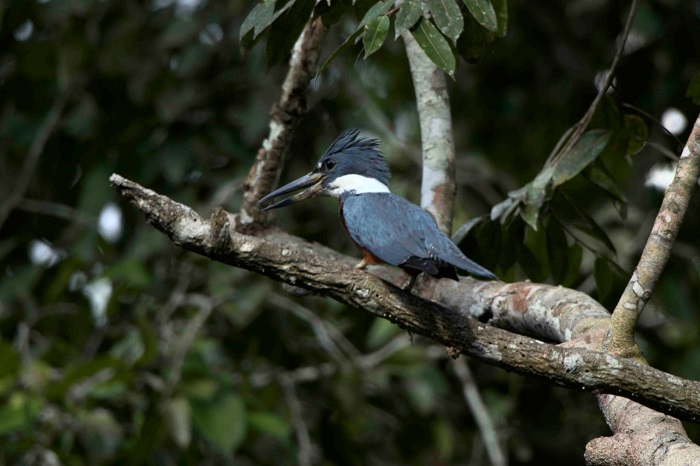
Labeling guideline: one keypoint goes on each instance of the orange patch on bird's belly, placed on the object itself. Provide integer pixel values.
(369, 258)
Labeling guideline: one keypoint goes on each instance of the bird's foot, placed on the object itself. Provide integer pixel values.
(409, 285)
(362, 265)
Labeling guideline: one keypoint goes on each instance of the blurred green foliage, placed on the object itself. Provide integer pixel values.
(118, 348)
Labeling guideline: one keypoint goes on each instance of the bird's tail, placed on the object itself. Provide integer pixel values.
(473, 268)
(462, 262)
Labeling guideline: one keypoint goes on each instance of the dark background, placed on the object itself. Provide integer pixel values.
(119, 347)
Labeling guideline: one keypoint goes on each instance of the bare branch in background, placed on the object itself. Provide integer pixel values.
(331, 339)
(57, 210)
(14, 195)
(568, 142)
(304, 446)
(656, 251)
(480, 412)
(186, 339)
(265, 171)
(433, 101)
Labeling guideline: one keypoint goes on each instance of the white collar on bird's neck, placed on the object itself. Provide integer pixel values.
(355, 184)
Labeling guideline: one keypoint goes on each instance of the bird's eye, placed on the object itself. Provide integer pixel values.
(329, 164)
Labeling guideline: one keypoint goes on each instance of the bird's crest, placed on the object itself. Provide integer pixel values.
(350, 144)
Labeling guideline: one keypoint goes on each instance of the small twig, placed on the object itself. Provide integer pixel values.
(286, 113)
(364, 362)
(305, 449)
(330, 338)
(481, 414)
(177, 295)
(54, 209)
(394, 345)
(16, 193)
(656, 251)
(583, 123)
(184, 343)
(433, 101)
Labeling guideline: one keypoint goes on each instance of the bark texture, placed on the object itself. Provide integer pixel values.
(265, 172)
(657, 250)
(438, 183)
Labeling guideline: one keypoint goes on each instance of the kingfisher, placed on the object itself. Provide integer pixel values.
(386, 227)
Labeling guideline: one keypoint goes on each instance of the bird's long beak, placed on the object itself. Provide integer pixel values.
(312, 181)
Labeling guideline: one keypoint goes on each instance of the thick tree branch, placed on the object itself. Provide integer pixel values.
(656, 251)
(642, 437)
(438, 186)
(316, 268)
(265, 172)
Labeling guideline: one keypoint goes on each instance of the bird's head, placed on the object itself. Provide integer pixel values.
(351, 165)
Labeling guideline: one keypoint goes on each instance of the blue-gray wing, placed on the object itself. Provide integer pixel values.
(388, 226)
(401, 233)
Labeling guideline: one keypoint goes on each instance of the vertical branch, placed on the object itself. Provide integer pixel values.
(16, 193)
(438, 187)
(304, 446)
(566, 144)
(285, 114)
(481, 414)
(657, 250)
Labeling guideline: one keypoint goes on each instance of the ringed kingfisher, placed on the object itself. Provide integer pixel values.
(387, 228)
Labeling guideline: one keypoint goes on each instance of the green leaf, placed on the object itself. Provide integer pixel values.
(528, 262)
(693, 91)
(131, 271)
(82, 370)
(21, 282)
(259, 18)
(638, 132)
(574, 259)
(342, 46)
(603, 278)
(9, 360)
(472, 43)
(557, 250)
(178, 416)
(408, 15)
(380, 333)
(531, 197)
(19, 412)
(601, 177)
(283, 36)
(268, 423)
(102, 434)
(585, 151)
(589, 225)
(377, 9)
(331, 14)
(444, 438)
(222, 422)
(483, 12)
(447, 17)
(464, 230)
(435, 46)
(501, 9)
(375, 34)
(488, 236)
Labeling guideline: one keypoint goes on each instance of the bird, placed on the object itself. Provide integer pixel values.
(386, 227)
